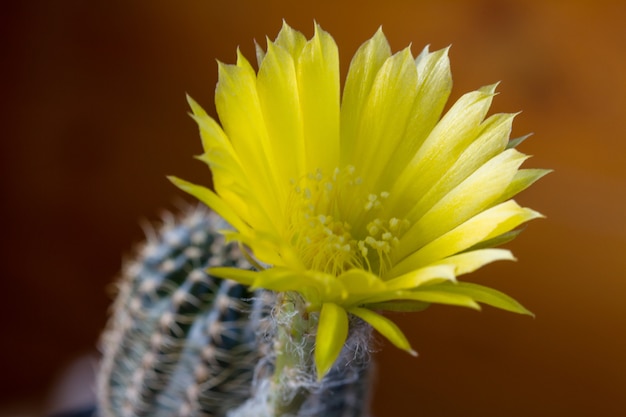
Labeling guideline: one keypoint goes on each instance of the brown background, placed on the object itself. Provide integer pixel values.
(94, 116)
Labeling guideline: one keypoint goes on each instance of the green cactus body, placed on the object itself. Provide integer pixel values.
(183, 343)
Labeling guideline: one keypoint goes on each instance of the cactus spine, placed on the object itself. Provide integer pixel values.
(183, 343)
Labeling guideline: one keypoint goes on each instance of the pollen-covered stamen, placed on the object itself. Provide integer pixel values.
(321, 233)
(321, 238)
(382, 237)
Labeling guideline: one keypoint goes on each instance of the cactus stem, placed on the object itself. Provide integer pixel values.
(294, 345)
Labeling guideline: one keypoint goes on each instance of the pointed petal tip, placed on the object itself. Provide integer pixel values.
(413, 353)
(317, 28)
(490, 89)
(240, 55)
(173, 179)
(379, 35)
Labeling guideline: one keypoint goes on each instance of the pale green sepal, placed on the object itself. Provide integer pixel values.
(497, 241)
(523, 179)
(400, 306)
(426, 295)
(332, 331)
(242, 276)
(385, 327)
(515, 142)
(485, 295)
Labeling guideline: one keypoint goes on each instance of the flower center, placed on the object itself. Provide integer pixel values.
(334, 224)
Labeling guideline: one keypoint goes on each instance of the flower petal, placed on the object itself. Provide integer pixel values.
(385, 327)
(434, 83)
(364, 67)
(318, 86)
(414, 279)
(212, 200)
(291, 40)
(332, 331)
(404, 306)
(453, 134)
(488, 224)
(385, 115)
(238, 106)
(359, 281)
(490, 142)
(277, 87)
(485, 295)
(522, 180)
(242, 276)
(425, 294)
(229, 179)
(475, 194)
(467, 262)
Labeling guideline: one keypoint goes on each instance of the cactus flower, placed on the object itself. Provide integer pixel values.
(365, 201)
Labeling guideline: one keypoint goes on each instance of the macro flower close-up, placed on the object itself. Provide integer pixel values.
(362, 198)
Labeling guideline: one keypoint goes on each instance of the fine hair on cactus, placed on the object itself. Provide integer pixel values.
(181, 342)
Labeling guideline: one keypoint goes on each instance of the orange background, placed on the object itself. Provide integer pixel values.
(94, 117)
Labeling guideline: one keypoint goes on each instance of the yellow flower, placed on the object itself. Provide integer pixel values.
(366, 202)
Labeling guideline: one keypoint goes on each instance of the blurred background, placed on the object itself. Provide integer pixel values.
(94, 116)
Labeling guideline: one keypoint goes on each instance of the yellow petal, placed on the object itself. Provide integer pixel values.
(291, 40)
(318, 86)
(490, 142)
(266, 247)
(476, 193)
(238, 106)
(490, 223)
(434, 83)
(467, 262)
(332, 331)
(212, 200)
(450, 137)
(385, 115)
(229, 179)
(359, 284)
(414, 279)
(364, 67)
(277, 87)
(385, 327)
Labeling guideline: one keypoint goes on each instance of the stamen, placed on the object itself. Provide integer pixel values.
(318, 230)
